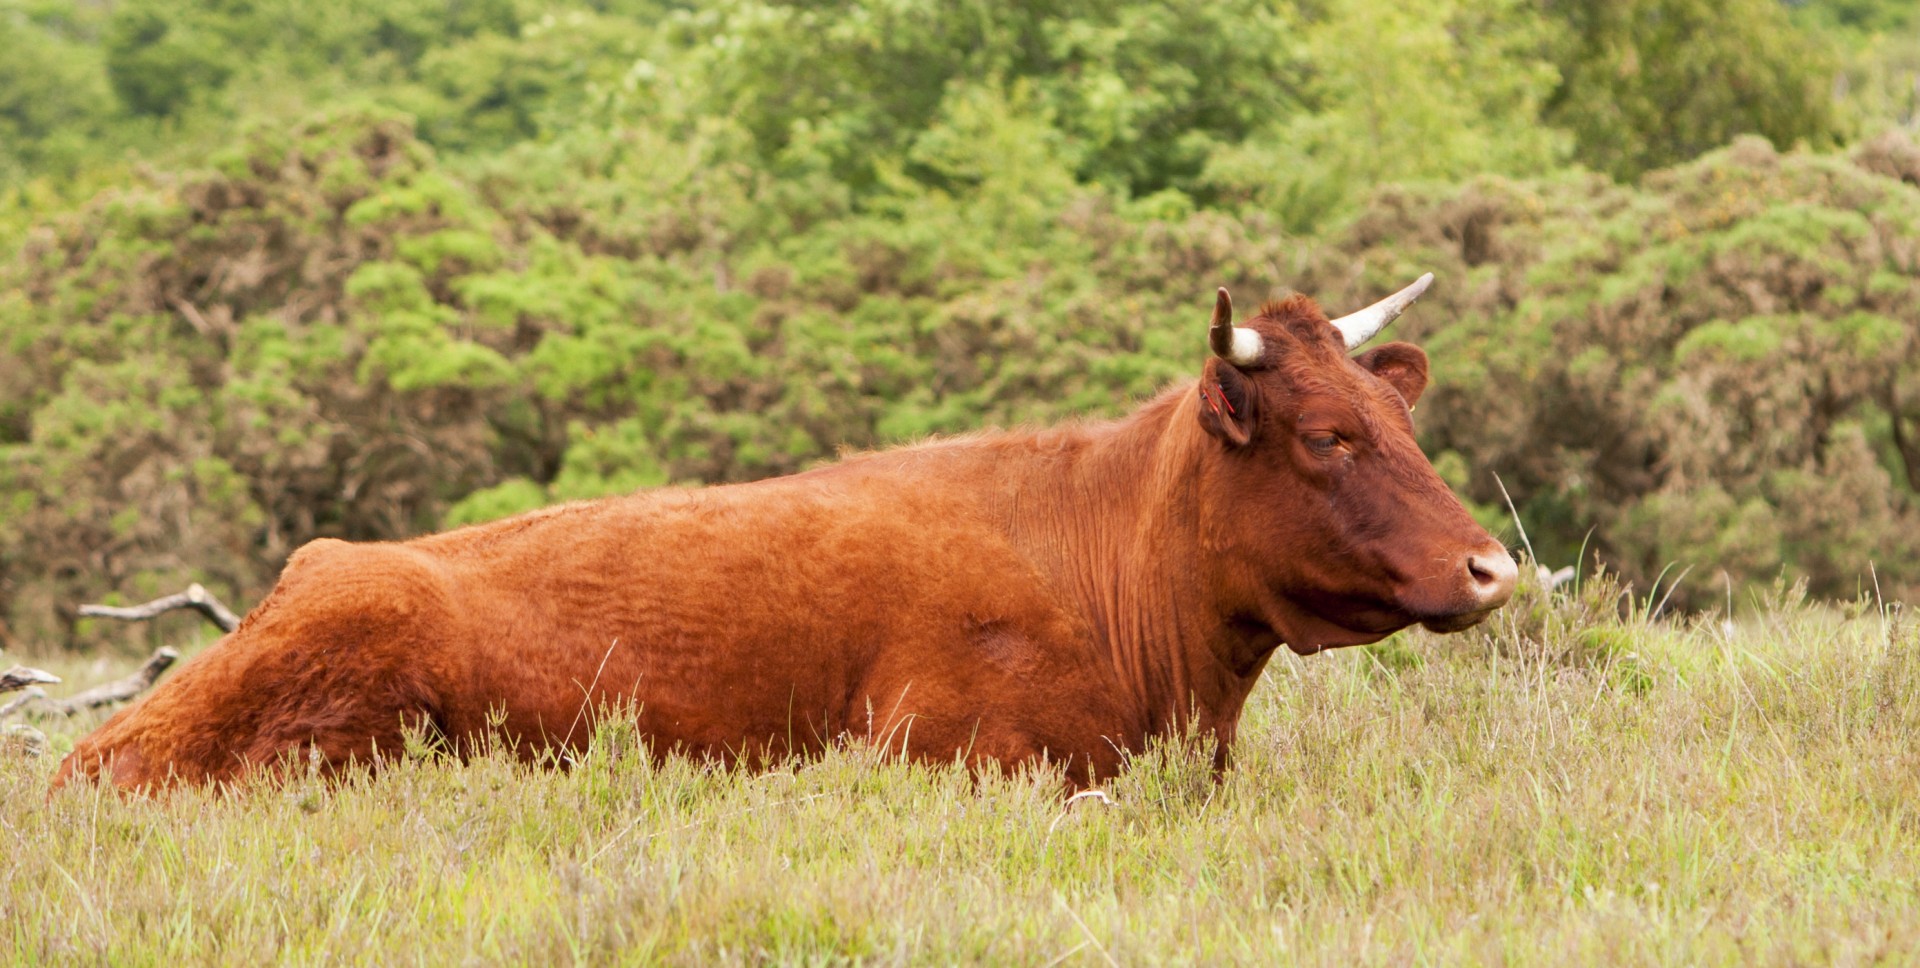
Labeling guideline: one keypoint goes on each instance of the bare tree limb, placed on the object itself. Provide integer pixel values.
(20, 677)
(22, 701)
(119, 690)
(195, 597)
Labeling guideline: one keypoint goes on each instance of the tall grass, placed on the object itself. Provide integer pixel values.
(1572, 782)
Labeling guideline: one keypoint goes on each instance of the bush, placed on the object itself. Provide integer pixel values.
(1713, 371)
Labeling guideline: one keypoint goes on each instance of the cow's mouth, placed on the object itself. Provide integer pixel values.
(1458, 623)
(1347, 622)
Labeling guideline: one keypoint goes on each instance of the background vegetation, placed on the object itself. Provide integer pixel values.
(275, 270)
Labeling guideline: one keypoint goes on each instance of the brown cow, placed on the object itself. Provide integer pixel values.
(999, 597)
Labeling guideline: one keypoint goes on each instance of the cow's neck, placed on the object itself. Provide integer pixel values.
(1115, 519)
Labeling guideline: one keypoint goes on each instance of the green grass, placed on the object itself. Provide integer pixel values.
(1564, 785)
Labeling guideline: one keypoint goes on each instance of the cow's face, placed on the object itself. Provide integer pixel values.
(1333, 526)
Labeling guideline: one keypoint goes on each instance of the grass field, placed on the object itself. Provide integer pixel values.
(1565, 785)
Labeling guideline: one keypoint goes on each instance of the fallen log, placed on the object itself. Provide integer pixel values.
(195, 597)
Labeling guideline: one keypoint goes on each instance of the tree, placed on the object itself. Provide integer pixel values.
(163, 57)
(1398, 91)
(1650, 83)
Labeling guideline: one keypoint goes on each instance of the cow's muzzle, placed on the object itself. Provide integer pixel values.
(1490, 574)
(1493, 575)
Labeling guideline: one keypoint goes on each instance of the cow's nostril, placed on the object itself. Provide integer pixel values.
(1494, 574)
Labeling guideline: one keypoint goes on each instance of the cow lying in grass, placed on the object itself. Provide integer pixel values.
(1061, 594)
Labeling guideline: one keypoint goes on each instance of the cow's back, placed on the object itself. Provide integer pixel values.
(877, 599)
(754, 619)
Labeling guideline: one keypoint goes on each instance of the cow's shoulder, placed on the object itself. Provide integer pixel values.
(377, 581)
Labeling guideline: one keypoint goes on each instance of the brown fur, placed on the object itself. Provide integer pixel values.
(1066, 593)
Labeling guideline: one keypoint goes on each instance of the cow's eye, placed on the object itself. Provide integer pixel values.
(1323, 444)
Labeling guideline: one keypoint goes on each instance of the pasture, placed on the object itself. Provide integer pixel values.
(1570, 782)
(276, 271)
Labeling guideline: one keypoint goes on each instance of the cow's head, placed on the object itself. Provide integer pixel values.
(1333, 527)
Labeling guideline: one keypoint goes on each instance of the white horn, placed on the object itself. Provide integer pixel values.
(1361, 326)
(1235, 344)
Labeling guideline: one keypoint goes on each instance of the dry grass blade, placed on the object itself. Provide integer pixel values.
(1511, 509)
(1082, 925)
(616, 838)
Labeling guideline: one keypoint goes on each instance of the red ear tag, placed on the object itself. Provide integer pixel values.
(1217, 388)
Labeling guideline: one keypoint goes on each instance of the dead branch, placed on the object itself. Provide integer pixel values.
(20, 677)
(119, 690)
(22, 701)
(195, 597)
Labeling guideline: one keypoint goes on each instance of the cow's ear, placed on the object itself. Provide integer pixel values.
(1402, 365)
(1226, 403)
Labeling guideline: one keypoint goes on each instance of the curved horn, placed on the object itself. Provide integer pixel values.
(1361, 326)
(1235, 344)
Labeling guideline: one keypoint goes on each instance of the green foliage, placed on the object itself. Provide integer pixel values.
(201, 374)
(51, 100)
(1303, 106)
(1649, 83)
(1398, 91)
(162, 56)
(1861, 15)
(1139, 92)
(493, 90)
